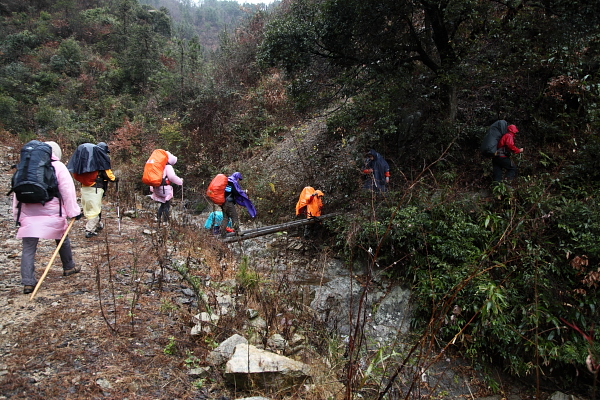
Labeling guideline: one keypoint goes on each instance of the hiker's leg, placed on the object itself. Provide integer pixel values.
(100, 224)
(307, 230)
(166, 210)
(235, 219)
(91, 201)
(28, 261)
(92, 223)
(228, 209)
(497, 171)
(511, 170)
(66, 255)
(159, 213)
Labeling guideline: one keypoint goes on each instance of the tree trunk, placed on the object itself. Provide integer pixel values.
(449, 101)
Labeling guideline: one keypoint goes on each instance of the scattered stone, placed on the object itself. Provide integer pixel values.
(130, 213)
(188, 292)
(201, 372)
(204, 322)
(255, 398)
(277, 342)
(103, 383)
(297, 339)
(258, 324)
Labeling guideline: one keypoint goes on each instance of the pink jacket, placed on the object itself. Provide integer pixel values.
(44, 221)
(165, 193)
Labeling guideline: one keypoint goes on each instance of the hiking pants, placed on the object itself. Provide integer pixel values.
(229, 211)
(504, 163)
(91, 201)
(163, 211)
(28, 259)
(94, 224)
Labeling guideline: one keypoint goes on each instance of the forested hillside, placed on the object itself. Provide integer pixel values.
(420, 82)
(208, 20)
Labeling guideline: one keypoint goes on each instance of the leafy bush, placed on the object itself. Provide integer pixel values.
(501, 264)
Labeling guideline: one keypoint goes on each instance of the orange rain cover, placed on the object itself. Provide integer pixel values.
(309, 204)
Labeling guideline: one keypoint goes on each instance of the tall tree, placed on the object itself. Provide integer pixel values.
(387, 39)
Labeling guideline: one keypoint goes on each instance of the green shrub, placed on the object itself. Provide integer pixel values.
(518, 268)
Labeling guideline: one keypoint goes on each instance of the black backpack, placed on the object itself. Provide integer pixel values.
(489, 145)
(35, 179)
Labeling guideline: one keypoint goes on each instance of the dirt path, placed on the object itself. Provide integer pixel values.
(75, 340)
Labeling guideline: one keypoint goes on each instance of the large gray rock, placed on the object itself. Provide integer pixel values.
(225, 350)
(561, 396)
(392, 315)
(250, 367)
(333, 300)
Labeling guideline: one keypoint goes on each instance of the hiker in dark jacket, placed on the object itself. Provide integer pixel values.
(502, 161)
(377, 172)
(93, 188)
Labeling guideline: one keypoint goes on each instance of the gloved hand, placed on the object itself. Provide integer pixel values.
(77, 218)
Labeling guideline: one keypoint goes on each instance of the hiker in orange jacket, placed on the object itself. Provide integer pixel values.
(310, 204)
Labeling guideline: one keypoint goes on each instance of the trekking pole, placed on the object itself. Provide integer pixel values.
(51, 260)
(118, 211)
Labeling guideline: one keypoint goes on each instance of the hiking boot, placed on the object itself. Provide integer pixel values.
(28, 289)
(99, 228)
(90, 234)
(69, 272)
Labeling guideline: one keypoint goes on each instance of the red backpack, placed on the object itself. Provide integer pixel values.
(154, 168)
(216, 189)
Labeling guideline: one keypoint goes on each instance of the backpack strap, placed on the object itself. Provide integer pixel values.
(17, 223)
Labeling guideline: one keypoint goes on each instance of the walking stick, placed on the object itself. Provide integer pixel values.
(118, 213)
(51, 260)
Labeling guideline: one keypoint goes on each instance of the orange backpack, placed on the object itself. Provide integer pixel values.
(216, 189)
(154, 168)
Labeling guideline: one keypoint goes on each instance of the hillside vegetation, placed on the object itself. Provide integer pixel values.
(420, 82)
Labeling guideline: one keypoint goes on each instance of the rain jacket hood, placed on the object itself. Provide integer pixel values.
(380, 168)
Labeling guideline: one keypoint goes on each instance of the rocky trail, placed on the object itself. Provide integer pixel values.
(123, 327)
(100, 333)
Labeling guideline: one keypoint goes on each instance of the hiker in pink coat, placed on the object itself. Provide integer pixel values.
(39, 221)
(164, 194)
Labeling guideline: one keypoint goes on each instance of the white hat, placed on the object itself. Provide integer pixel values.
(56, 151)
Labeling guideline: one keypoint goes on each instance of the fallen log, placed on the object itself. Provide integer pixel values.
(265, 230)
